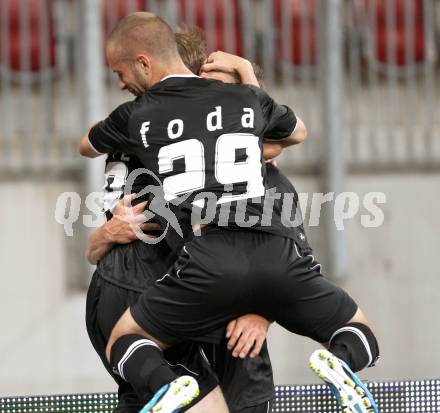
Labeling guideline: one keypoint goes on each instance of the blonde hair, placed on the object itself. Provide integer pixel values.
(191, 44)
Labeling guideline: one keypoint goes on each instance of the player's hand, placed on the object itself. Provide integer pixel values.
(247, 334)
(271, 150)
(224, 62)
(128, 221)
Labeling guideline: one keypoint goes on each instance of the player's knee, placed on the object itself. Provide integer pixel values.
(127, 325)
(356, 344)
(359, 317)
(124, 326)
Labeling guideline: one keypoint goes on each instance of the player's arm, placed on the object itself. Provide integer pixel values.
(271, 150)
(110, 135)
(282, 126)
(85, 147)
(274, 148)
(99, 244)
(226, 62)
(298, 135)
(246, 335)
(120, 229)
(229, 63)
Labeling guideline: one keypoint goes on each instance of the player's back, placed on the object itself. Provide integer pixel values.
(204, 136)
(203, 140)
(202, 133)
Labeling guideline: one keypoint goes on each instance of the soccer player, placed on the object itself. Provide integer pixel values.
(125, 270)
(217, 131)
(123, 273)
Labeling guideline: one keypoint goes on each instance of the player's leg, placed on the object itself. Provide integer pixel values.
(177, 307)
(94, 331)
(105, 305)
(140, 361)
(259, 408)
(186, 358)
(324, 312)
(211, 397)
(245, 382)
(351, 348)
(355, 343)
(128, 401)
(145, 368)
(214, 402)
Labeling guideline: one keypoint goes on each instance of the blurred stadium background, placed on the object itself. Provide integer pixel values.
(363, 74)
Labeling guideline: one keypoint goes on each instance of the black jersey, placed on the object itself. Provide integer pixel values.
(200, 136)
(136, 266)
(275, 179)
(118, 166)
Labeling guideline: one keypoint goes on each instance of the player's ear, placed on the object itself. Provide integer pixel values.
(145, 63)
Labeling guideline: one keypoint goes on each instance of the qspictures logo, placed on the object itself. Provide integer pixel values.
(291, 210)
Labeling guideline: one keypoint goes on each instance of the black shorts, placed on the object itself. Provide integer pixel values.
(223, 274)
(260, 408)
(106, 303)
(245, 383)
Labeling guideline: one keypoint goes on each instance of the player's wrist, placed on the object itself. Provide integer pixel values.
(243, 66)
(108, 235)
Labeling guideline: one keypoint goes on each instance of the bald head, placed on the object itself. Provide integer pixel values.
(142, 50)
(143, 33)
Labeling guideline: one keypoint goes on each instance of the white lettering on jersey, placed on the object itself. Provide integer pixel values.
(214, 119)
(171, 127)
(116, 174)
(194, 176)
(247, 120)
(145, 127)
(228, 171)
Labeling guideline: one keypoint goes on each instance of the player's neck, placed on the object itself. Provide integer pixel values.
(178, 71)
(172, 70)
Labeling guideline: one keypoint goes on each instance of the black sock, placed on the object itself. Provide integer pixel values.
(355, 344)
(141, 363)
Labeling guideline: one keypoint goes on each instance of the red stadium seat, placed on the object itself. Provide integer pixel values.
(35, 23)
(114, 10)
(220, 24)
(398, 33)
(302, 21)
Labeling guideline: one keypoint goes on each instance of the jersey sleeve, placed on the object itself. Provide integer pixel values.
(280, 120)
(111, 134)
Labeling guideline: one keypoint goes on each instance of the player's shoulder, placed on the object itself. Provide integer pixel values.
(239, 93)
(237, 88)
(247, 92)
(145, 102)
(123, 112)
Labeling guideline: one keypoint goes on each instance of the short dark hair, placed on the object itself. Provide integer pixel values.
(143, 32)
